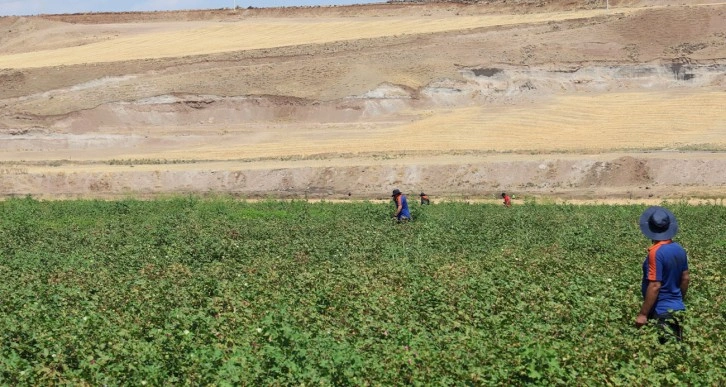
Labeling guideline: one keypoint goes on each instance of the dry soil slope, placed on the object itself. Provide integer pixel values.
(255, 86)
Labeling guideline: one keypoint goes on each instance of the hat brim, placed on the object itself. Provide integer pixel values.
(656, 235)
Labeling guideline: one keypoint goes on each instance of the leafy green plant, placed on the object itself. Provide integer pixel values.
(215, 291)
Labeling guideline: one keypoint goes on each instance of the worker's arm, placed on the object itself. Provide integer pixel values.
(651, 296)
(685, 279)
(399, 208)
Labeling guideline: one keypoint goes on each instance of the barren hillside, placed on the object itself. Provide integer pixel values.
(562, 99)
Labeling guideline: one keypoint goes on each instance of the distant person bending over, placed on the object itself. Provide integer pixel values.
(665, 274)
(425, 198)
(402, 212)
(507, 200)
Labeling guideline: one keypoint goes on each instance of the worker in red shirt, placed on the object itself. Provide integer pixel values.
(507, 200)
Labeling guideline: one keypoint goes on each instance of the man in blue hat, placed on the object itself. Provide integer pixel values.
(665, 273)
(402, 212)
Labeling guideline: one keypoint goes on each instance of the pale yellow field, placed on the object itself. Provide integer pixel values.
(582, 122)
(259, 33)
(569, 123)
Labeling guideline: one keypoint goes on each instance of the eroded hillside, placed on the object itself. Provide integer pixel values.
(412, 92)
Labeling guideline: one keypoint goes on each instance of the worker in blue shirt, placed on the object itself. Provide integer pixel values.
(665, 273)
(402, 212)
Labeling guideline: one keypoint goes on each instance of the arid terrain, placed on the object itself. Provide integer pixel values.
(567, 100)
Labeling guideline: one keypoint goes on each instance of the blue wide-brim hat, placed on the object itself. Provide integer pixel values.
(658, 224)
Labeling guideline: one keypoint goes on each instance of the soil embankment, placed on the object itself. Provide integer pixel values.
(459, 100)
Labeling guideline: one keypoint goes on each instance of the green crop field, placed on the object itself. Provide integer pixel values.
(190, 291)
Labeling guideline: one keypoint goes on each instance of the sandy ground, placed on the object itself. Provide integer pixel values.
(563, 101)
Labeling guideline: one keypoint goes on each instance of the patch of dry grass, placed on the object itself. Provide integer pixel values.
(260, 33)
(567, 123)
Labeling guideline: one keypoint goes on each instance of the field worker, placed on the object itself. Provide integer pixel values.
(425, 198)
(665, 273)
(507, 200)
(402, 212)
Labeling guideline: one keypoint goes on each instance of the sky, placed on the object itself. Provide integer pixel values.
(34, 7)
